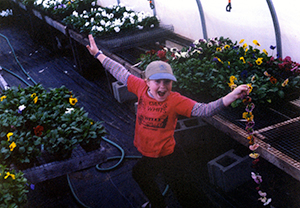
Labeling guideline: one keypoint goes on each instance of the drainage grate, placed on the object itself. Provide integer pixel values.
(262, 118)
(285, 138)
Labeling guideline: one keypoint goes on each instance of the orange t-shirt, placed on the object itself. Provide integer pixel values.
(156, 121)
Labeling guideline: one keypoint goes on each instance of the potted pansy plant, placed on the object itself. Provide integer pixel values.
(34, 119)
(13, 188)
(214, 66)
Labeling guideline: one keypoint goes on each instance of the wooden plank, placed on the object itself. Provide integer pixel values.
(59, 168)
(78, 37)
(37, 14)
(60, 27)
(274, 156)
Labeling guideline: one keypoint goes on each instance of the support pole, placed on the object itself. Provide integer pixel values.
(276, 27)
(202, 19)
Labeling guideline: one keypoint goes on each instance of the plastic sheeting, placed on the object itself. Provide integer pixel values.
(249, 20)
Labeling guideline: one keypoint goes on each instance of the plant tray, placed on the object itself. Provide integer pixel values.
(48, 170)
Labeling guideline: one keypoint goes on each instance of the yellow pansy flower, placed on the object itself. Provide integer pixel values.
(12, 146)
(245, 45)
(218, 49)
(232, 79)
(8, 135)
(2, 98)
(243, 59)
(250, 87)
(254, 155)
(285, 83)
(72, 100)
(241, 41)
(265, 51)
(259, 61)
(248, 116)
(227, 46)
(256, 43)
(9, 174)
(35, 99)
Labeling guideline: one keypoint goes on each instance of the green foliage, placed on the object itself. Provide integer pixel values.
(206, 67)
(48, 118)
(13, 188)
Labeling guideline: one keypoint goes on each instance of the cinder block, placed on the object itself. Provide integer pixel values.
(189, 123)
(121, 93)
(229, 170)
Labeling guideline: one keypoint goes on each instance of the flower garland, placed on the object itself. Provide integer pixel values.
(249, 118)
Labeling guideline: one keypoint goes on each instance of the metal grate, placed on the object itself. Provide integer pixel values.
(285, 138)
(262, 118)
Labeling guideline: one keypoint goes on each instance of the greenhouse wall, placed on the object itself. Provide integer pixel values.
(249, 20)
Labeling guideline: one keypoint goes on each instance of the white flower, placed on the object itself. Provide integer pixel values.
(69, 110)
(125, 15)
(131, 20)
(100, 28)
(262, 194)
(184, 54)
(209, 45)
(140, 27)
(111, 15)
(75, 14)
(107, 24)
(174, 49)
(102, 22)
(87, 24)
(177, 54)
(196, 42)
(38, 2)
(117, 29)
(6, 13)
(21, 107)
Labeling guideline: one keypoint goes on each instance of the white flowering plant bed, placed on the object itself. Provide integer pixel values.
(110, 20)
(84, 16)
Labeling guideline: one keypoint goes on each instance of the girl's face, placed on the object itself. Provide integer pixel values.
(160, 88)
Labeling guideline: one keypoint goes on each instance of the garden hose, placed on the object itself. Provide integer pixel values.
(13, 51)
(120, 158)
(14, 74)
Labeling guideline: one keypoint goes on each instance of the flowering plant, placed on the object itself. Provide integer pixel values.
(109, 20)
(5, 9)
(33, 117)
(205, 66)
(253, 145)
(60, 8)
(13, 188)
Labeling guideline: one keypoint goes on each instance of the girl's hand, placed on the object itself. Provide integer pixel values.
(93, 49)
(238, 93)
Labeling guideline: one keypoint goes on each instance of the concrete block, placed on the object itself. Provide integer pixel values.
(121, 93)
(229, 170)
